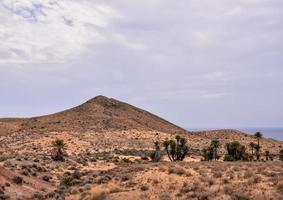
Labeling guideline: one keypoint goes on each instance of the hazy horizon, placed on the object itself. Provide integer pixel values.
(194, 63)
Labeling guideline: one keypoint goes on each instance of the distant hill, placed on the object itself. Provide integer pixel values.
(98, 114)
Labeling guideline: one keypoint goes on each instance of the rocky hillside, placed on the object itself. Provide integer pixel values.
(98, 114)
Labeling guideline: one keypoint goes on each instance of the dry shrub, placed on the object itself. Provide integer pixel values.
(280, 187)
(257, 179)
(229, 190)
(248, 174)
(217, 174)
(95, 194)
(210, 181)
(176, 170)
(236, 168)
(240, 197)
(165, 197)
(115, 190)
(144, 188)
(226, 181)
(162, 168)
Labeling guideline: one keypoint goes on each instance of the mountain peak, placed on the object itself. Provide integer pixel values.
(99, 98)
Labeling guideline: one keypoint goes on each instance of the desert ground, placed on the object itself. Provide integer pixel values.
(107, 156)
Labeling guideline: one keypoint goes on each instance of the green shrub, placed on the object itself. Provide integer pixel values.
(18, 180)
(67, 181)
(281, 155)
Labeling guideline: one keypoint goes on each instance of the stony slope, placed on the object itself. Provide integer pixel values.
(98, 114)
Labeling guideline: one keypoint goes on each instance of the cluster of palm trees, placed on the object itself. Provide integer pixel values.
(176, 149)
(211, 153)
(237, 151)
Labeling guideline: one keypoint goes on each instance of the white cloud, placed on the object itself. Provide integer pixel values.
(50, 30)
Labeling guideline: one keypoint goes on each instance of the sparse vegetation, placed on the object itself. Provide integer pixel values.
(114, 164)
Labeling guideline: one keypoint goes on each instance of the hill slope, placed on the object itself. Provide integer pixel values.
(98, 114)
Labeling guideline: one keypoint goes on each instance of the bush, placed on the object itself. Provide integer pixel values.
(280, 187)
(126, 160)
(176, 170)
(281, 155)
(156, 156)
(207, 154)
(46, 178)
(257, 179)
(144, 188)
(229, 158)
(67, 181)
(248, 174)
(18, 180)
(76, 175)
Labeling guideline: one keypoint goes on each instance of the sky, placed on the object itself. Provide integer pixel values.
(196, 63)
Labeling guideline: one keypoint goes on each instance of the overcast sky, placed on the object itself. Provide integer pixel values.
(198, 63)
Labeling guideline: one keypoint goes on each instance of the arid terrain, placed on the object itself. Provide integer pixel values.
(107, 156)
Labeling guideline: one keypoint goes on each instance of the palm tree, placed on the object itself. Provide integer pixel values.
(59, 146)
(215, 145)
(258, 136)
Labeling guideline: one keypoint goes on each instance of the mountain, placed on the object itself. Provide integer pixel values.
(98, 114)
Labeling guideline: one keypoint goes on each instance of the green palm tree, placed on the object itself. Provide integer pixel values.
(258, 136)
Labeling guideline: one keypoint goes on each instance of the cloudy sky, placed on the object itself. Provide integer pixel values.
(198, 63)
